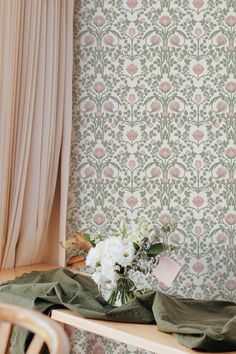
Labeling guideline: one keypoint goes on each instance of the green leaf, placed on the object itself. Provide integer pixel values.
(88, 239)
(86, 236)
(136, 246)
(166, 228)
(156, 249)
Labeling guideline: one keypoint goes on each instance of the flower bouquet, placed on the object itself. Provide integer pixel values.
(121, 262)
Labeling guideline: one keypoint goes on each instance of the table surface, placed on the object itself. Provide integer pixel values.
(143, 336)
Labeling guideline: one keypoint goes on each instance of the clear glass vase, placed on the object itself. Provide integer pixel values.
(124, 291)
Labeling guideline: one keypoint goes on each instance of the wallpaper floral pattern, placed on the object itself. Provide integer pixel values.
(154, 132)
(83, 342)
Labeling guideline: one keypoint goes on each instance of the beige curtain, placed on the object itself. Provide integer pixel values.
(36, 55)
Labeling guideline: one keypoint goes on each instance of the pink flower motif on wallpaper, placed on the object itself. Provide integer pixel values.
(165, 86)
(198, 267)
(99, 219)
(175, 238)
(198, 135)
(132, 69)
(99, 153)
(230, 284)
(88, 39)
(132, 164)
(99, 86)
(165, 218)
(109, 40)
(230, 86)
(132, 4)
(132, 32)
(230, 219)
(98, 349)
(89, 106)
(198, 99)
(221, 238)
(132, 135)
(198, 4)
(230, 152)
(165, 20)
(132, 98)
(175, 106)
(175, 40)
(221, 172)
(99, 20)
(111, 141)
(175, 172)
(109, 172)
(89, 172)
(221, 39)
(198, 201)
(108, 106)
(198, 32)
(198, 165)
(155, 106)
(165, 152)
(198, 230)
(230, 21)
(155, 172)
(221, 106)
(155, 40)
(198, 69)
(132, 201)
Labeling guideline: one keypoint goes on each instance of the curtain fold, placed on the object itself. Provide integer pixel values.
(35, 128)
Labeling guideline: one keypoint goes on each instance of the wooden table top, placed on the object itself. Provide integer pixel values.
(10, 274)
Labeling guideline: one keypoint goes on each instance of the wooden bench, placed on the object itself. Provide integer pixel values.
(143, 336)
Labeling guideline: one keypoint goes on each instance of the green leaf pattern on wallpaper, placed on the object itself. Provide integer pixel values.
(154, 129)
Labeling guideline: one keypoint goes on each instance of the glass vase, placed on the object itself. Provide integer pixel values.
(124, 292)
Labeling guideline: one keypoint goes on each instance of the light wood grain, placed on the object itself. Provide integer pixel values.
(10, 274)
(36, 345)
(5, 334)
(146, 337)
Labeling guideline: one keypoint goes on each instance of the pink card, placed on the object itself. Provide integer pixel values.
(167, 270)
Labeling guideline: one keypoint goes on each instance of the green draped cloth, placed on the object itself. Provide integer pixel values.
(203, 325)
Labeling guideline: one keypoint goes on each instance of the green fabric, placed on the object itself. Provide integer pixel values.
(204, 325)
(207, 325)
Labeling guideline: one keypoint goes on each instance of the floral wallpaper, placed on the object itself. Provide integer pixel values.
(83, 342)
(154, 129)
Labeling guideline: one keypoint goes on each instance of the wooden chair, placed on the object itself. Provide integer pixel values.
(46, 331)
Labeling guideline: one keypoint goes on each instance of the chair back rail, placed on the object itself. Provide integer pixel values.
(45, 330)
